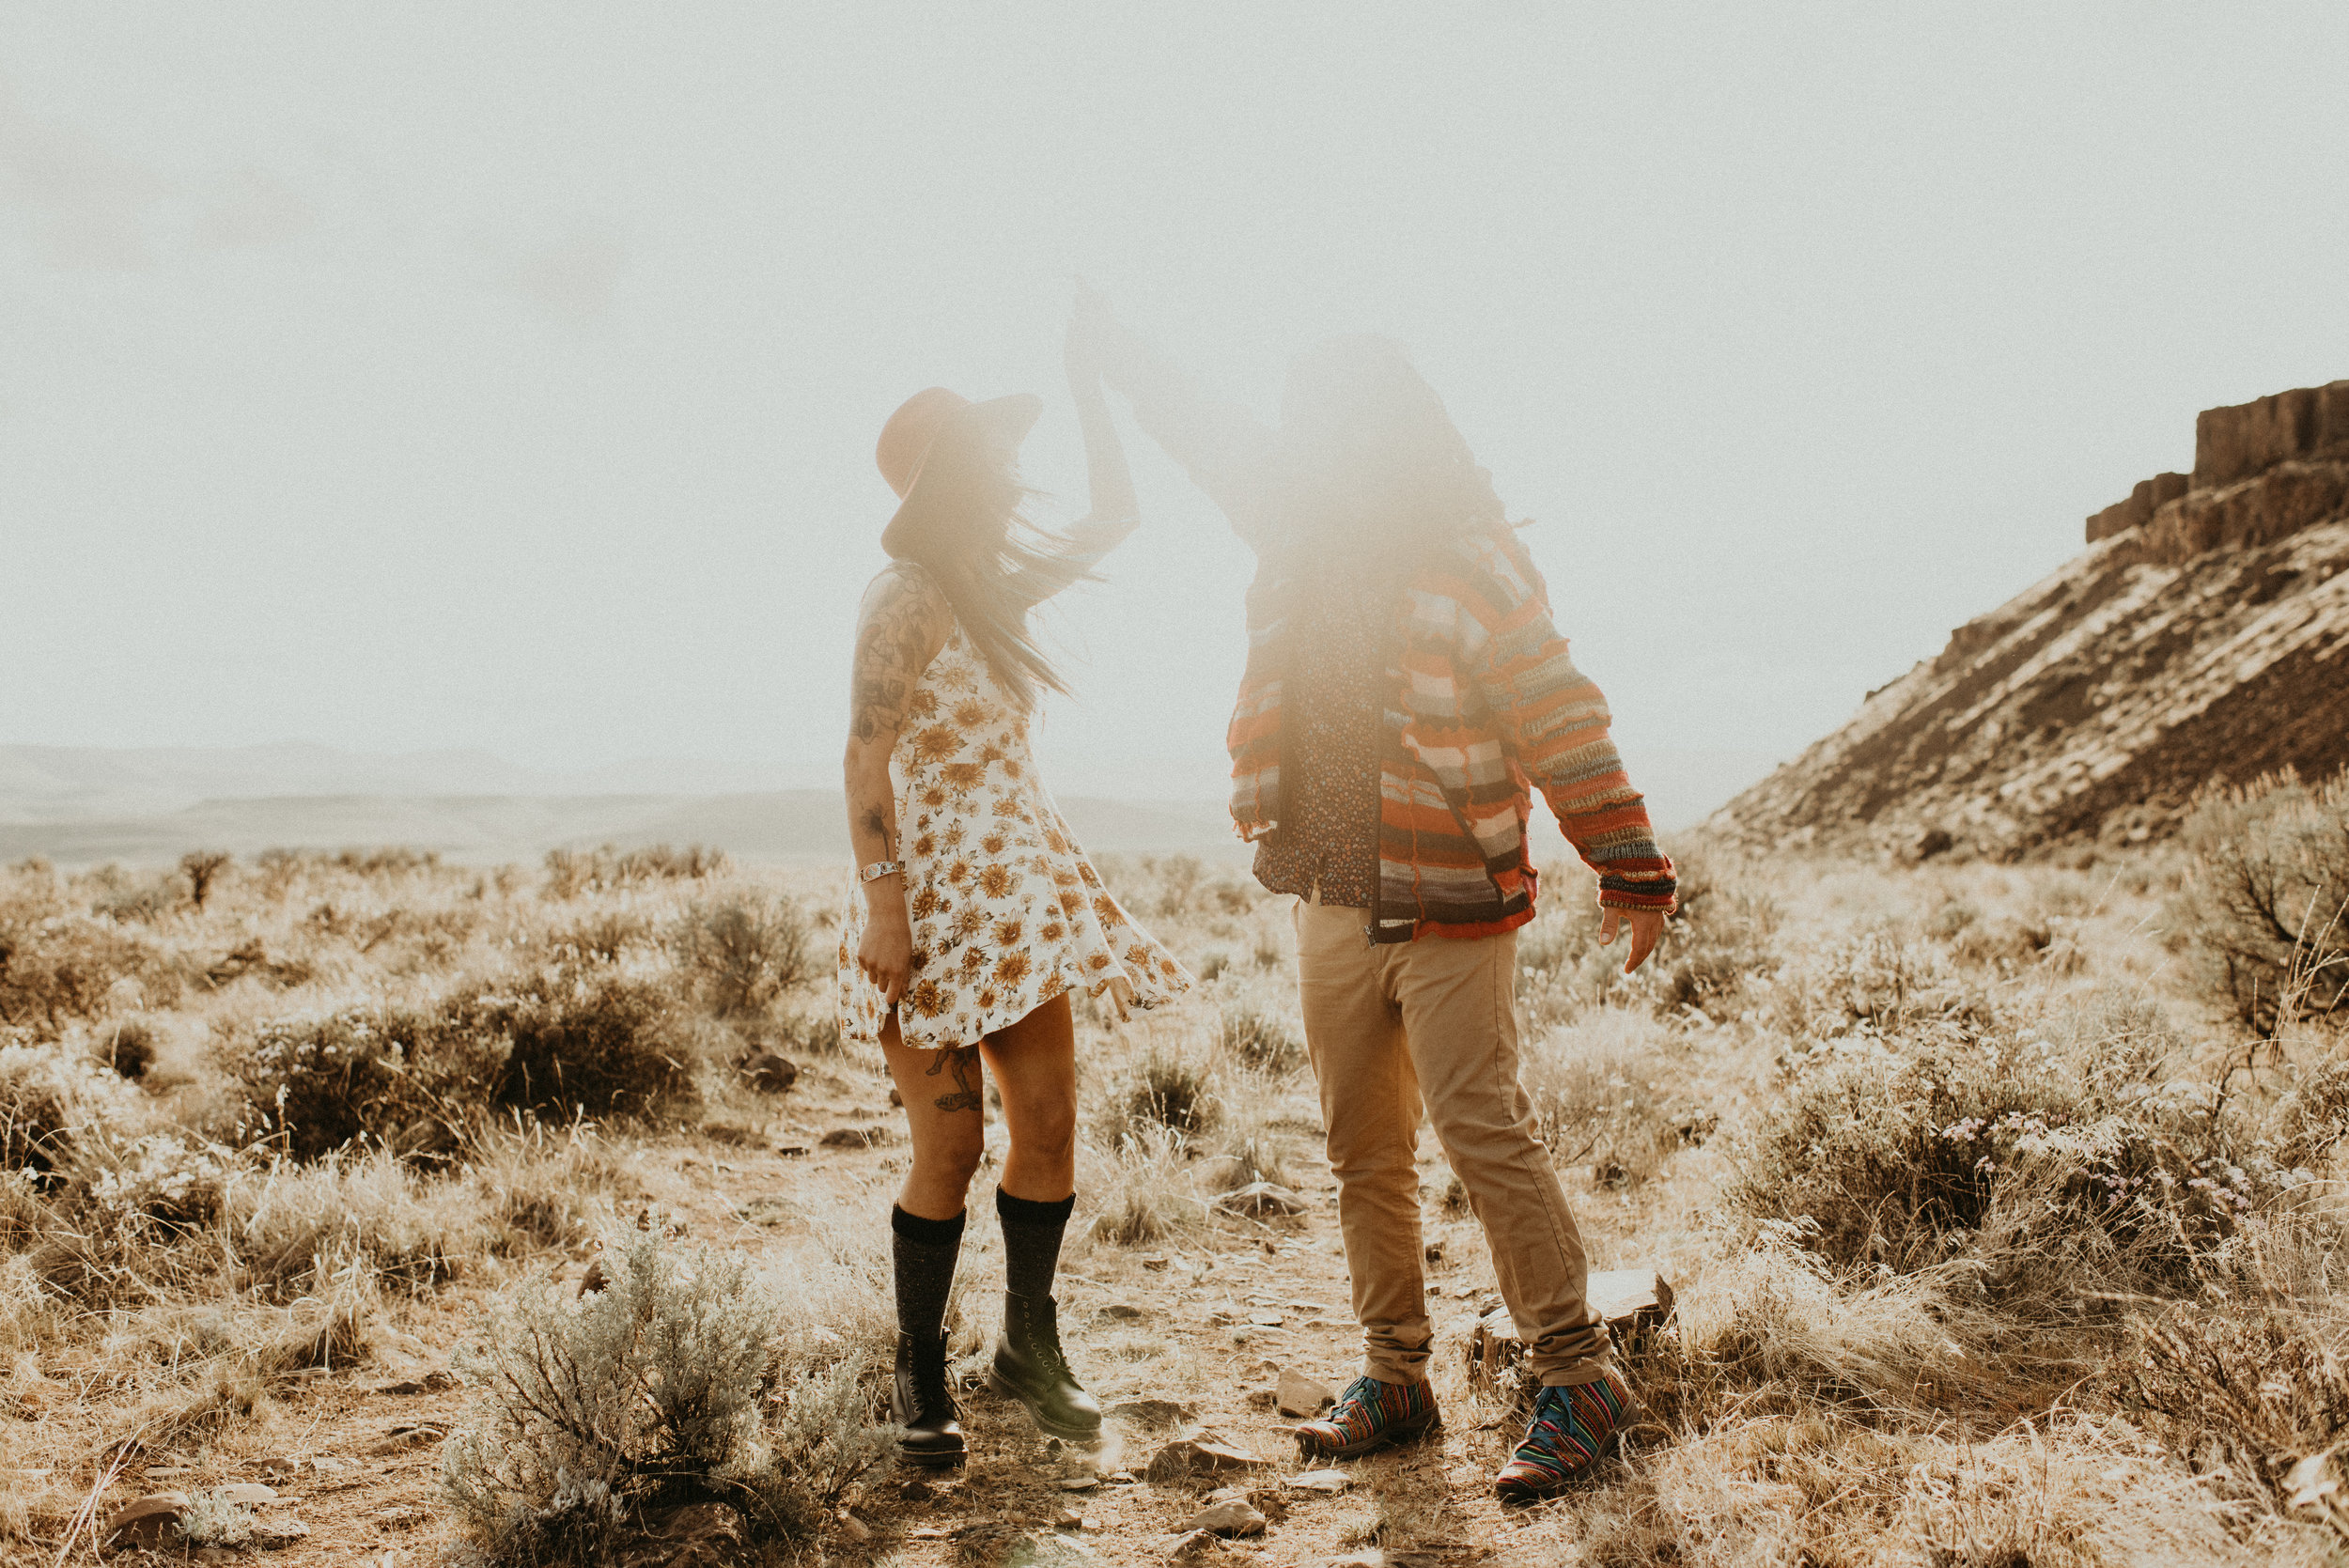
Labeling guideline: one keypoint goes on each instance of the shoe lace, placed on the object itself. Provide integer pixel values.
(933, 1389)
(1044, 1344)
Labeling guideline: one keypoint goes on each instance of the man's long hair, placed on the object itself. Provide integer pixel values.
(994, 566)
(1382, 480)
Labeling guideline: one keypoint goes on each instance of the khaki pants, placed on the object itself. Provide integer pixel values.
(1390, 1027)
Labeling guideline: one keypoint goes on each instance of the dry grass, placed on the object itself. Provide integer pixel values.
(1998, 1237)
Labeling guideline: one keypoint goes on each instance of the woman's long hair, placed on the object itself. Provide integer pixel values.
(1381, 477)
(994, 566)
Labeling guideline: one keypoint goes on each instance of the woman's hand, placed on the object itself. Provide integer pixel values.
(886, 954)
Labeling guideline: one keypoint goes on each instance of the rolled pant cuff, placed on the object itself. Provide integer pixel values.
(1575, 1375)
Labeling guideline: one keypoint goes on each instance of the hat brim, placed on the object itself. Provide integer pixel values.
(963, 438)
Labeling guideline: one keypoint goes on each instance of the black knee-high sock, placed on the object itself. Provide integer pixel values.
(925, 1250)
(1031, 1234)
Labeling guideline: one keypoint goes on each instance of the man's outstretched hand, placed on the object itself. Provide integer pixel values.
(1645, 925)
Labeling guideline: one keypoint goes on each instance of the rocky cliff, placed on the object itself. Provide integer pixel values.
(2203, 636)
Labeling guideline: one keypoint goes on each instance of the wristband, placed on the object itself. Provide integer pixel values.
(880, 869)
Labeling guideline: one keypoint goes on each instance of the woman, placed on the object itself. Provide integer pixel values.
(976, 914)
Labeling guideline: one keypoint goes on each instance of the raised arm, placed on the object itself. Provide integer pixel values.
(1228, 452)
(900, 627)
(1112, 480)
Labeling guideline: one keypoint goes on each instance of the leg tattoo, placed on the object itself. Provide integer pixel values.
(964, 1061)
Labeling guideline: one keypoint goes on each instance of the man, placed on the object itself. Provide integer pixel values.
(1404, 690)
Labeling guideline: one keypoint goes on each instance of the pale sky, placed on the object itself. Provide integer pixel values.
(506, 376)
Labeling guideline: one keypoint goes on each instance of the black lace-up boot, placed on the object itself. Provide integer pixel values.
(922, 1403)
(1030, 1367)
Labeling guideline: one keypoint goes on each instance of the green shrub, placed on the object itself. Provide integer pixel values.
(738, 953)
(2267, 903)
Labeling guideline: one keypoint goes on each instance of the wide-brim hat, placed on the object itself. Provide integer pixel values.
(935, 440)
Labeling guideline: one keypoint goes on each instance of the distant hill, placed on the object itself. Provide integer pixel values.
(52, 784)
(2203, 636)
(794, 824)
(86, 805)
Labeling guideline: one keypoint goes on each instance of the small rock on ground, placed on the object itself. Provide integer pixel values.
(1191, 1456)
(1261, 1197)
(1233, 1517)
(1299, 1395)
(147, 1522)
(1147, 1412)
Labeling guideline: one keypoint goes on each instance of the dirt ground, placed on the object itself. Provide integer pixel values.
(1206, 1323)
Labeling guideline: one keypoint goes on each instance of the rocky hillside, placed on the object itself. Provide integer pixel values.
(2203, 635)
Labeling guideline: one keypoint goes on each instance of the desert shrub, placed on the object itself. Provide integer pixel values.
(2267, 902)
(1261, 1036)
(1605, 1093)
(1162, 1088)
(742, 952)
(1248, 1136)
(649, 1392)
(202, 868)
(1551, 944)
(317, 1082)
(596, 1047)
(51, 1102)
(420, 1081)
(34, 1114)
(2308, 1122)
(211, 1521)
(541, 1186)
(127, 1047)
(1140, 1190)
(1723, 935)
(573, 872)
(599, 938)
(126, 896)
(1875, 981)
(2251, 1383)
(168, 1182)
(1912, 1153)
(59, 968)
(295, 1232)
(811, 1031)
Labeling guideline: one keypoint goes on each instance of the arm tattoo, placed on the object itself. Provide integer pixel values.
(898, 632)
(882, 825)
(963, 1061)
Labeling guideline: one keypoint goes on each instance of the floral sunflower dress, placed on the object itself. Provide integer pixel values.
(1007, 912)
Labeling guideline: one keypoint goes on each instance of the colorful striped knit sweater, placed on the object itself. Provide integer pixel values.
(1484, 706)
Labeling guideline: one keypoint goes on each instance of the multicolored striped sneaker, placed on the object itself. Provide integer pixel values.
(1572, 1427)
(1369, 1415)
